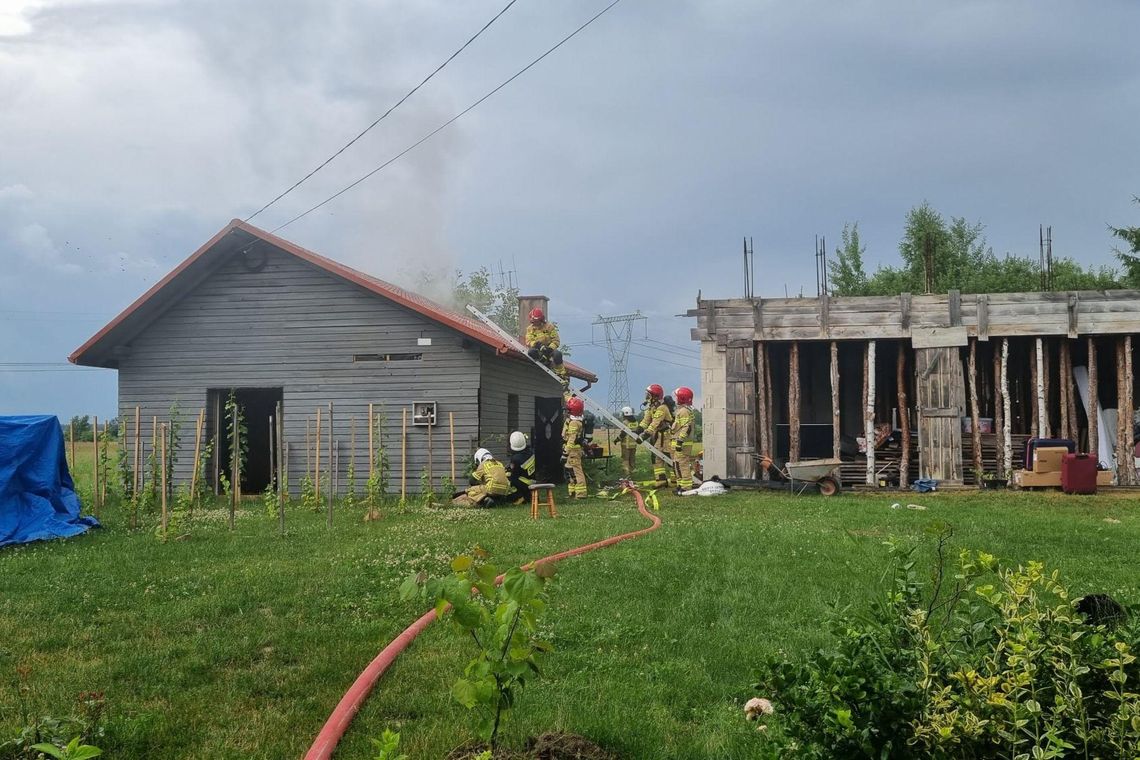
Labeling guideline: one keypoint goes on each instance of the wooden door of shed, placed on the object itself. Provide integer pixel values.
(941, 398)
(740, 406)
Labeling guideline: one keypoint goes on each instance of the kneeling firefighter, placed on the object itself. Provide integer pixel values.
(522, 466)
(680, 436)
(572, 439)
(489, 482)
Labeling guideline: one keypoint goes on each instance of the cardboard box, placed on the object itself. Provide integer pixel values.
(1048, 459)
(1028, 479)
(1104, 477)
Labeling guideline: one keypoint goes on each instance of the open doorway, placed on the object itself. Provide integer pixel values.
(257, 406)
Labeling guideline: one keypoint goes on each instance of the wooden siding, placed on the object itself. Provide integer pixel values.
(941, 405)
(740, 410)
(1069, 313)
(498, 378)
(296, 327)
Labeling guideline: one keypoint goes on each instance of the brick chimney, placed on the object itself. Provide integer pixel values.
(526, 303)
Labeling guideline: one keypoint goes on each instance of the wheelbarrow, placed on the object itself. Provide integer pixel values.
(821, 473)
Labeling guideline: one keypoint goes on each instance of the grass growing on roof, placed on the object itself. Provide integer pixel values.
(238, 645)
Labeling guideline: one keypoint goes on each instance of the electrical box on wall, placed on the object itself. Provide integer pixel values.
(423, 413)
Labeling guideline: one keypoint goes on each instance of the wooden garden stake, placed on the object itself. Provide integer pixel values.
(869, 412)
(308, 447)
(975, 429)
(404, 454)
(95, 489)
(352, 448)
(451, 427)
(1007, 444)
(194, 474)
(332, 470)
(794, 403)
(431, 466)
(103, 481)
(371, 443)
(1094, 403)
(71, 427)
(834, 399)
(282, 459)
(317, 459)
(904, 419)
(235, 472)
(163, 476)
(136, 483)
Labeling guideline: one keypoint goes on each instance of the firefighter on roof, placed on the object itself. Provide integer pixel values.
(656, 420)
(680, 436)
(572, 436)
(542, 344)
(489, 482)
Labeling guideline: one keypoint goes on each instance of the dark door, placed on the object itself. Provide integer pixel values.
(256, 406)
(546, 438)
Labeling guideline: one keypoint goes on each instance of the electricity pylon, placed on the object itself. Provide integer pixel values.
(619, 334)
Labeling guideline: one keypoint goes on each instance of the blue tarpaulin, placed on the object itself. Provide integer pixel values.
(37, 495)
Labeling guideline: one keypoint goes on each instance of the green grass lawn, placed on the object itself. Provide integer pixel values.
(237, 645)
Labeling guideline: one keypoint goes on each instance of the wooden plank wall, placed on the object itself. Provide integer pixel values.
(941, 402)
(499, 378)
(740, 410)
(293, 326)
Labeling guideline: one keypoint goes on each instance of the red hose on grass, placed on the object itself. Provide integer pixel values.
(350, 703)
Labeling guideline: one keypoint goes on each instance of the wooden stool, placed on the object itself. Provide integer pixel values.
(535, 490)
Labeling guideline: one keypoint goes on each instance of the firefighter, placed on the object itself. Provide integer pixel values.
(521, 466)
(489, 481)
(680, 436)
(572, 436)
(627, 443)
(542, 344)
(654, 421)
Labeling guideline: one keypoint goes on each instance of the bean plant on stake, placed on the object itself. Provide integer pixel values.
(241, 432)
(377, 484)
(502, 621)
(173, 443)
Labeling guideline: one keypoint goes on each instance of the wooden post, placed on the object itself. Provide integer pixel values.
(1041, 413)
(768, 404)
(105, 478)
(904, 419)
(95, 486)
(162, 464)
(332, 470)
(136, 481)
(975, 430)
(308, 447)
(235, 472)
(999, 415)
(1034, 404)
(194, 474)
(763, 408)
(371, 444)
(317, 459)
(1070, 390)
(431, 468)
(352, 450)
(451, 432)
(794, 404)
(282, 458)
(869, 411)
(404, 454)
(1094, 402)
(1007, 443)
(834, 399)
(1046, 382)
(1129, 407)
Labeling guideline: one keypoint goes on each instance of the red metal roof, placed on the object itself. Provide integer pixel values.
(414, 301)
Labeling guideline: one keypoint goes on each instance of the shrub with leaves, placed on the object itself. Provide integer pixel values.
(388, 746)
(502, 621)
(993, 662)
(74, 750)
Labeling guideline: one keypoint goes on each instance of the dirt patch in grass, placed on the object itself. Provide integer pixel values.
(549, 746)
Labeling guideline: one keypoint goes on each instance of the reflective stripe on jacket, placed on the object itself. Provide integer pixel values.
(572, 434)
(682, 429)
(547, 335)
(493, 476)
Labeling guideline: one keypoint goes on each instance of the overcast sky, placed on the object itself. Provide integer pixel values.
(618, 174)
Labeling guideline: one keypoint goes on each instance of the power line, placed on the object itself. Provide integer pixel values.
(450, 121)
(398, 103)
(677, 346)
(665, 350)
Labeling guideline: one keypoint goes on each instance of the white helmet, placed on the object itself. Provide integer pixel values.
(627, 411)
(482, 455)
(518, 441)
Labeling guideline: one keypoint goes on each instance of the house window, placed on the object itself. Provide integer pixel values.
(386, 357)
(512, 411)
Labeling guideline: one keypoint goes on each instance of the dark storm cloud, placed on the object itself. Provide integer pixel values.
(619, 174)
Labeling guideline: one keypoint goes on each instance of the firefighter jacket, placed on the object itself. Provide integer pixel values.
(656, 419)
(546, 335)
(573, 434)
(492, 475)
(522, 467)
(682, 430)
(628, 443)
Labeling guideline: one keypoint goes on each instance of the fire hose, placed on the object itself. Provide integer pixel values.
(336, 725)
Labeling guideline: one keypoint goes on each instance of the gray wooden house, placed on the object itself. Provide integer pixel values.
(948, 385)
(254, 314)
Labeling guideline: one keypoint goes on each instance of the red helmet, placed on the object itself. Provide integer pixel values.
(683, 395)
(655, 391)
(536, 316)
(574, 405)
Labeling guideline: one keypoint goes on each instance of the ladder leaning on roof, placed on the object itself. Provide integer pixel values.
(594, 406)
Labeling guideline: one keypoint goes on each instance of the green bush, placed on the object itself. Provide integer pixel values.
(993, 662)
